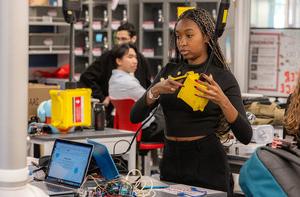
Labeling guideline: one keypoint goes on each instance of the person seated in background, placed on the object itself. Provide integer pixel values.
(123, 85)
(96, 76)
(291, 121)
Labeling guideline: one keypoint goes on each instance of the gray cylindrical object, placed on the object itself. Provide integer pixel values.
(13, 83)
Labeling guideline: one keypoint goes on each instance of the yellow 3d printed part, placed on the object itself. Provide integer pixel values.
(188, 91)
(71, 107)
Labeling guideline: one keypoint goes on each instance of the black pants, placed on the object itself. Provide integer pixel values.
(200, 163)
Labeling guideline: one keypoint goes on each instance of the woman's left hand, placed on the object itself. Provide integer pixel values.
(213, 92)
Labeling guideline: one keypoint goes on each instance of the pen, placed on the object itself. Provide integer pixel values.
(182, 194)
(156, 187)
(195, 189)
(186, 194)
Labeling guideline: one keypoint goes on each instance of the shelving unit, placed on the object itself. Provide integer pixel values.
(102, 23)
(151, 34)
(48, 33)
(155, 35)
(94, 32)
(48, 39)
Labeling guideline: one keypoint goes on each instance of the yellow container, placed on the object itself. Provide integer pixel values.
(188, 91)
(71, 107)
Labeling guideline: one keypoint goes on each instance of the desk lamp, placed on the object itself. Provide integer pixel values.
(71, 11)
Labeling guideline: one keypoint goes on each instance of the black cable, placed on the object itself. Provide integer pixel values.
(135, 135)
(114, 148)
(219, 28)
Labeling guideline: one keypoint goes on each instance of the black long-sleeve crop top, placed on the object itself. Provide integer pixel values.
(181, 120)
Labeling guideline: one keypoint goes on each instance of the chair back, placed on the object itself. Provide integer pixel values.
(122, 116)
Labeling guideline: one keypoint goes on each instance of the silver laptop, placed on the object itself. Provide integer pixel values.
(67, 168)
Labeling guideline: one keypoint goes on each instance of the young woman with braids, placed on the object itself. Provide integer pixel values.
(193, 153)
(291, 120)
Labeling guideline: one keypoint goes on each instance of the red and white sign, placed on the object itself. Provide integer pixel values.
(274, 61)
(78, 109)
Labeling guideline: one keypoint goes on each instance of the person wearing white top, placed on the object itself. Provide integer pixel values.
(123, 84)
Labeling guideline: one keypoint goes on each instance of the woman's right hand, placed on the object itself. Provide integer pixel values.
(166, 86)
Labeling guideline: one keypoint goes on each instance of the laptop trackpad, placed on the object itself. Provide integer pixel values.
(52, 189)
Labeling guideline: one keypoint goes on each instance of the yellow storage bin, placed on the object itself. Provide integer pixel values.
(71, 107)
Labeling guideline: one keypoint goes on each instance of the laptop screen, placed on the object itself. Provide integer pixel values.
(104, 161)
(69, 162)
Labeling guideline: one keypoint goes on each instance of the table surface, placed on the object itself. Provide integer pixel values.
(86, 133)
(160, 192)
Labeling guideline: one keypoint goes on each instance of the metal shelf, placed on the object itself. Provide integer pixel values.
(153, 30)
(155, 57)
(41, 23)
(40, 50)
(100, 30)
(44, 6)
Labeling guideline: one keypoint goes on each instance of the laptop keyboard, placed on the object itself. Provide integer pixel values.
(56, 188)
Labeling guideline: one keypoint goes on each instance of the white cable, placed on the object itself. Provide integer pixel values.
(142, 183)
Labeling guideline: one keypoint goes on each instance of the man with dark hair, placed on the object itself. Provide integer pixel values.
(97, 75)
(126, 34)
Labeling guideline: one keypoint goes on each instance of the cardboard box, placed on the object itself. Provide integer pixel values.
(38, 93)
(38, 2)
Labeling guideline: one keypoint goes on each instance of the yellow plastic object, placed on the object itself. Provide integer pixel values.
(71, 107)
(188, 91)
(180, 10)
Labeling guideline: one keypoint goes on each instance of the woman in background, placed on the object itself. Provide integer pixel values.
(292, 117)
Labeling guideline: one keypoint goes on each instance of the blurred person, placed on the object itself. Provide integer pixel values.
(97, 75)
(291, 121)
(124, 85)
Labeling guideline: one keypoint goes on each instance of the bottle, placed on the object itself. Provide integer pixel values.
(99, 117)
(86, 18)
(159, 67)
(160, 19)
(105, 44)
(124, 20)
(159, 46)
(214, 14)
(159, 41)
(105, 19)
(86, 44)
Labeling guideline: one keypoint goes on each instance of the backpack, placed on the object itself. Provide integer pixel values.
(271, 172)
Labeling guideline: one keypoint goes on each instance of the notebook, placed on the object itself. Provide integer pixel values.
(104, 161)
(67, 168)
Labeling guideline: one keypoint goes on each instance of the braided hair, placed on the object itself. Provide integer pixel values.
(292, 119)
(206, 25)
